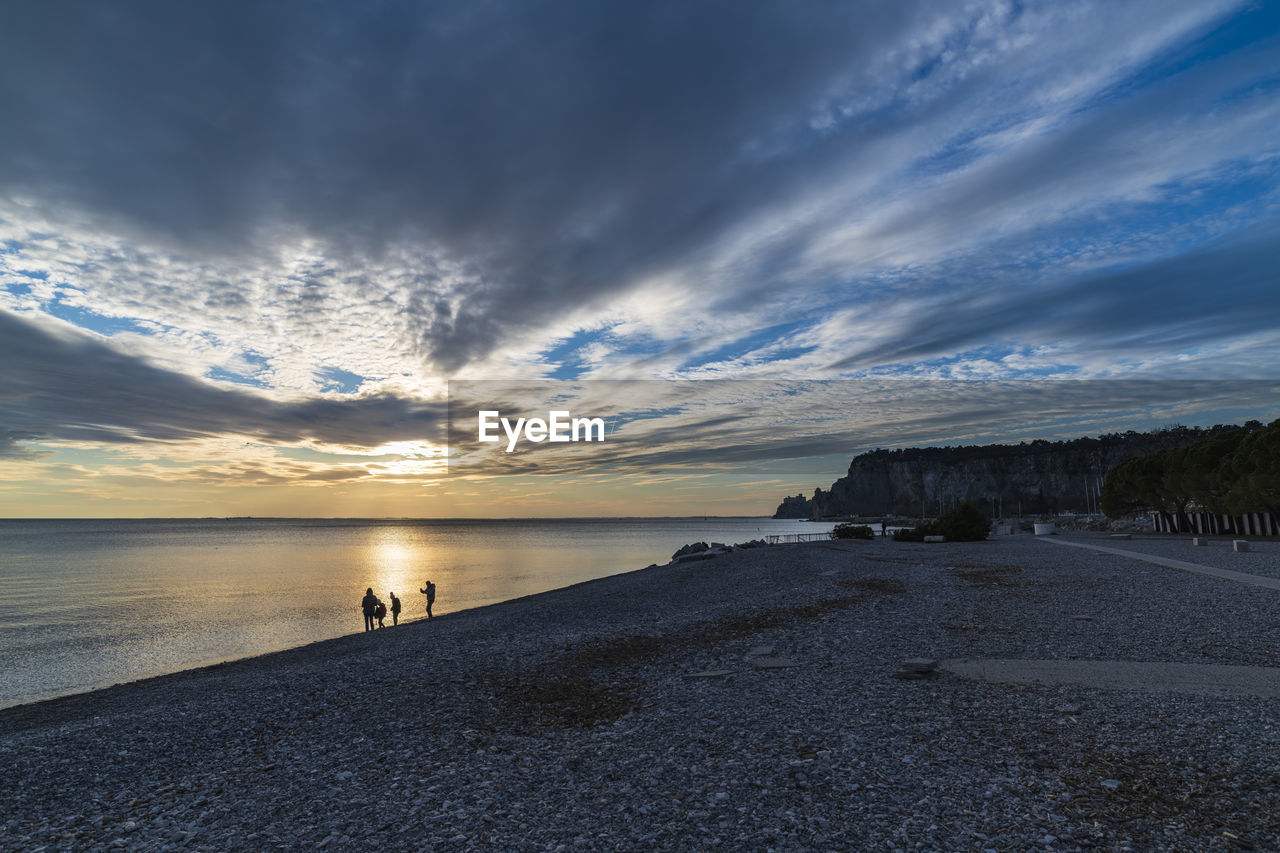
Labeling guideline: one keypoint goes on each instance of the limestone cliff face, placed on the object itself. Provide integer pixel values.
(1036, 477)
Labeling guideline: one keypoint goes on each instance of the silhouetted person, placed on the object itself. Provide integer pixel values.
(430, 593)
(884, 528)
(369, 605)
(381, 612)
(395, 610)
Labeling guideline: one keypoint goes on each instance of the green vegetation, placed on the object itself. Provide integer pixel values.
(962, 523)
(1031, 478)
(852, 531)
(1230, 473)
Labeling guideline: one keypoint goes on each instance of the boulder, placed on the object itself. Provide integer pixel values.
(691, 548)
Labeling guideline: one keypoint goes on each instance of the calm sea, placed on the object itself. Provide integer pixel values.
(90, 603)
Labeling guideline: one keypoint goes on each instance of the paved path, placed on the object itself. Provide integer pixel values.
(1135, 675)
(1126, 675)
(1180, 565)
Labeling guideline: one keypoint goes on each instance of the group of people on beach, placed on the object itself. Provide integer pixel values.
(373, 608)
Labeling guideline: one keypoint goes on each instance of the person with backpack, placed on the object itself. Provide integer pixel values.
(369, 605)
(395, 610)
(430, 592)
(380, 610)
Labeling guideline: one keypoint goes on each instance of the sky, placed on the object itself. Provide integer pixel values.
(245, 248)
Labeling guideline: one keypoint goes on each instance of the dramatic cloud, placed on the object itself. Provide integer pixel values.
(503, 168)
(654, 426)
(1219, 292)
(64, 385)
(293, 222)
(551, 154)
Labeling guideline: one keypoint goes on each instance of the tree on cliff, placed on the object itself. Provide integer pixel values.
(1206, 469)
(1031, 477)
(1254, 474)
(1233, 472)
(1132, 486)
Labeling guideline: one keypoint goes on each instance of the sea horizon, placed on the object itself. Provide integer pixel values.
(363, 517)
(91, 602)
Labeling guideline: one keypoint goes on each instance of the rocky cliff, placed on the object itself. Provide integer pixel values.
(797, 506)
(1032, 477)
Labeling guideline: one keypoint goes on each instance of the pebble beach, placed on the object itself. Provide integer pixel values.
(749, 700)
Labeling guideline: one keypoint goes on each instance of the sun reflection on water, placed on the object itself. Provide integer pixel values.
(218, 589)
(397, 560)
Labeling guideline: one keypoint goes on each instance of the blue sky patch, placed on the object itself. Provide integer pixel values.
(339, 380)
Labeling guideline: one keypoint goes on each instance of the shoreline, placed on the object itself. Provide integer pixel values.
(265, 657)
(231, 591)
(585, 712)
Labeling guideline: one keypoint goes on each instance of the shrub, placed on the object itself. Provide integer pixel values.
(917, 534)
(852, 531)
(962, 523)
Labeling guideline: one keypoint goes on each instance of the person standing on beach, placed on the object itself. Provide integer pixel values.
(395, 610)
(369, 604)
(380, 610)
(430, 592)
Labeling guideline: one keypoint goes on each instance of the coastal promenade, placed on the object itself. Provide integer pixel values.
(749, 701)
(1270, 561)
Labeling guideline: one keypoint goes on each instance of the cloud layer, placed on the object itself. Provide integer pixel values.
(731, 425)
(293, 222)
(67, 386)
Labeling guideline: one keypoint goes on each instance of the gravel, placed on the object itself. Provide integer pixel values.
(1262, 558)
(566, 720)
